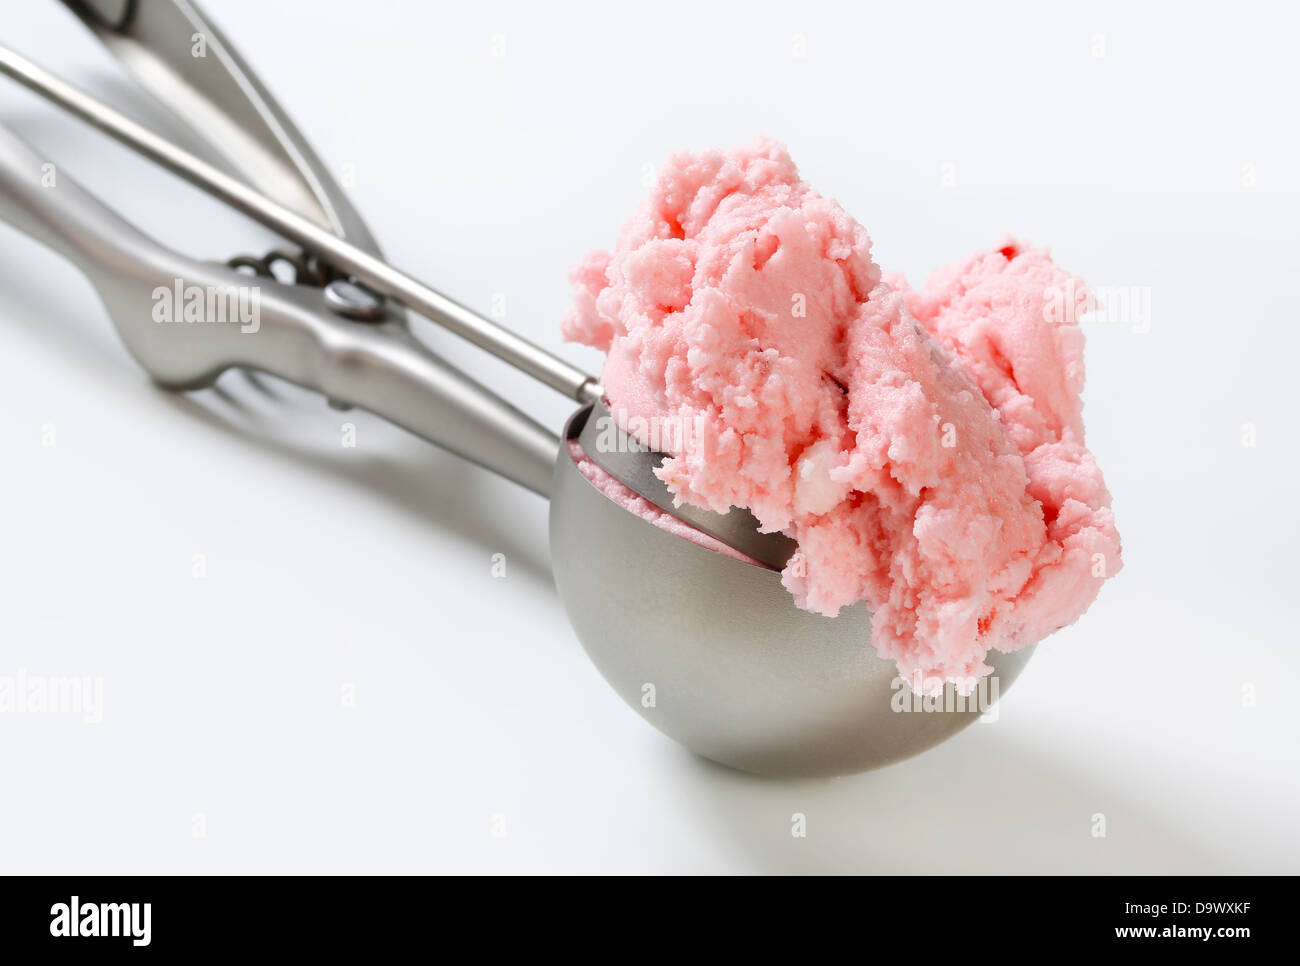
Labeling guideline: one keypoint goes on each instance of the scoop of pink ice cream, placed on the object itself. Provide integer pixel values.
(925, 449)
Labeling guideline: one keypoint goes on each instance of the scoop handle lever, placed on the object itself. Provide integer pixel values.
(286, 330)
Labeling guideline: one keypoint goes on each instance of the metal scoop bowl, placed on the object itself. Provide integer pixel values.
(713, 652)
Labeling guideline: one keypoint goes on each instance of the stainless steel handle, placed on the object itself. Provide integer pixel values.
(380, 367)
(224, 104)
(364, 266)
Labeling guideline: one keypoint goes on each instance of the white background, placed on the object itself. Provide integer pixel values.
(1170, 163)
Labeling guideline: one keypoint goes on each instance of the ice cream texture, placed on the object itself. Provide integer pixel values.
(924, 447)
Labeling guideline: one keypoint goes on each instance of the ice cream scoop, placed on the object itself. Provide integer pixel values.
(710, 649)
(713, 652)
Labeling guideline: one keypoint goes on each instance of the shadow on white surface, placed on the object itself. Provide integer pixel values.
(440, 490)
(982, 802)
(278, 420)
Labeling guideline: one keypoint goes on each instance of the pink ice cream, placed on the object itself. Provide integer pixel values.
(924, 448)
